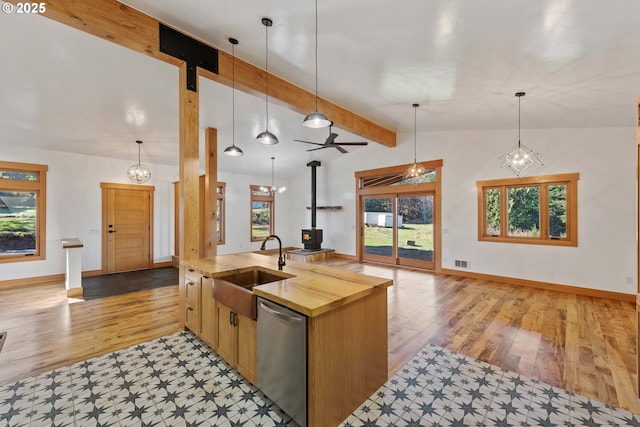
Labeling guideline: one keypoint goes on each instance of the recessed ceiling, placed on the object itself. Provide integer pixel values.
(462, 61)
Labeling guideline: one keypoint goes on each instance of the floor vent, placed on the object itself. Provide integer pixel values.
(462, 264)
(3, 335)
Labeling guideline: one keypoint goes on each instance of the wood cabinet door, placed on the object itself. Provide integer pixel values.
(226, 334)
(192, 306)
(207, 312)
(247, 348)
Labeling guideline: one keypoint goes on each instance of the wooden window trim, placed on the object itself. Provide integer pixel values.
(570, 180)
(38, 186)
(221, 196)
(272, 210)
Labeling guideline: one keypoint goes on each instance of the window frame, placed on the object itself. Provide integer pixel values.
(220, 196)
(261, 198)
(38, 186)
(543, 182)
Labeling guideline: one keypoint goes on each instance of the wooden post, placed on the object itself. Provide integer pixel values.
(189, 181)
(209, 243)
(638, 253)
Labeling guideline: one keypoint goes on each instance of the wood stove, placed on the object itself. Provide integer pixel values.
(312, 238)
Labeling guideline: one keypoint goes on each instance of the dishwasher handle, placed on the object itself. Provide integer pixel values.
(284, 316)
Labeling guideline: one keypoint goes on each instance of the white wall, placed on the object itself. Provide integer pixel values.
(238, 217)
(74, 208)
(605, 159)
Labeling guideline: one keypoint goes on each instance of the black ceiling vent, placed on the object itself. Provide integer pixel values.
(193, 52)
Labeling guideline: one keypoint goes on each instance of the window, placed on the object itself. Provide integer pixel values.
(538, 210)
(220, 192)
(22, 211)
(262, 209)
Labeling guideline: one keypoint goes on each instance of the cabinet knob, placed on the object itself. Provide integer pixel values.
(190, 308)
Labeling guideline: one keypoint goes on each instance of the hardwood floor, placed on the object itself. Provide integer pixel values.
(46, 330)
(582, 344)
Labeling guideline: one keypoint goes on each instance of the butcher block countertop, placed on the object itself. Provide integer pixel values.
(314, 289)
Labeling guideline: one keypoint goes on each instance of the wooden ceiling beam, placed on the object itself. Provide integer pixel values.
(130, 28)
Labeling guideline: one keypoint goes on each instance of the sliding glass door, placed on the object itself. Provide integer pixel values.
(378, 233)
(415, 230)
(399, 229)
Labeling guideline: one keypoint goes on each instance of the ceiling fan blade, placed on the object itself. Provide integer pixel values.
(351, 143)
(308, 142)
(314, 149)
(340, 149)
(332, 137)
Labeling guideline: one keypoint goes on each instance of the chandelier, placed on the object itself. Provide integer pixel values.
(520, 158)
(416, 169)
(273, 189)
(139, 173)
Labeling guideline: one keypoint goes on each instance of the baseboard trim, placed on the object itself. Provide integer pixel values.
(74, 293)
(162, 264)
(32, 281)
(597, 293)
(92, 273)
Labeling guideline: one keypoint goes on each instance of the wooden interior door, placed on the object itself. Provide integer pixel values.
(127, 227)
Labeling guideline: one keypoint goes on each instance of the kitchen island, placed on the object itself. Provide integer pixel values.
(346, 326)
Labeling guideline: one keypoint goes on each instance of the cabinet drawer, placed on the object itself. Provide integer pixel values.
(191, 274)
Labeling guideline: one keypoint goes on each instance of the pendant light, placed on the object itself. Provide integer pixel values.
(316, 119)
(520, 157)
(233, 150)
(139, 173)
(416, 169)
(266, 137)
(273, 189)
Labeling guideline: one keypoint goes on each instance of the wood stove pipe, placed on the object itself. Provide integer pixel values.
(313, 165)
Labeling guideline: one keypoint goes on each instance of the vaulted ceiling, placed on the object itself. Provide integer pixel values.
(462, 61)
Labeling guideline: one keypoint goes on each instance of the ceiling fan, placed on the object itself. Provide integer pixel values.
(330, 142)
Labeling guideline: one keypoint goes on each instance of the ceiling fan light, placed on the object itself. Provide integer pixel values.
(233, 151)
(267, 138)
(316, 120)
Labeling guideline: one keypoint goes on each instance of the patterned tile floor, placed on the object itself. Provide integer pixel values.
(178, 381)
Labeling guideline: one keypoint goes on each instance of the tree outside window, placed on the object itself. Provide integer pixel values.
(22, 211)
(539, 210)
(262, 210)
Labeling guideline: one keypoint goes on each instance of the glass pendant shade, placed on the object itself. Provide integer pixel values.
(520, 158)
(416, 169)
(139, 173)
(266, 137)
(233, 151)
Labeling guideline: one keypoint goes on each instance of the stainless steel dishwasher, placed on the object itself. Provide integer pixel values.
(282, 358)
